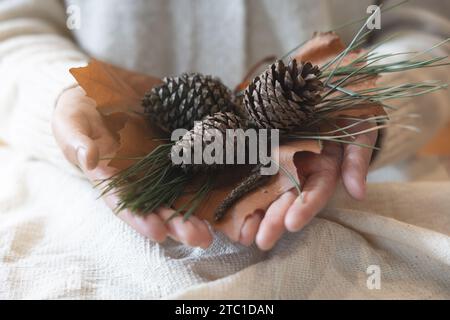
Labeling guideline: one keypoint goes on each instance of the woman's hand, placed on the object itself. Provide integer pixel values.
(84, 138)
(320, 174)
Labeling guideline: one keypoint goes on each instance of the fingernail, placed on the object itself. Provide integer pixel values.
(82, 157)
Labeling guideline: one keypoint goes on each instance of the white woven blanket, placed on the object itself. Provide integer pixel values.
(58, 242)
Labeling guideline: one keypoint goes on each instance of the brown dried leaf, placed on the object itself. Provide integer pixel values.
(439, 145)
(322, 47)
(114, 89)
(137, 139)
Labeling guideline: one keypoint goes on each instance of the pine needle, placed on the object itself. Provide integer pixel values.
(294, 181)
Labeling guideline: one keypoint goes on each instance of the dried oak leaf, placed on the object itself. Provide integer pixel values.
(322, 47)
(114, 89)
(439, 144)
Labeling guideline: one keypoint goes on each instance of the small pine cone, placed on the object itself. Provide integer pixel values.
(283, 97)
(207, 129)
(180, 101)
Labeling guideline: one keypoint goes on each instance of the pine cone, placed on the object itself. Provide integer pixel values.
(283, 97)
(220, 121)
(180, 101)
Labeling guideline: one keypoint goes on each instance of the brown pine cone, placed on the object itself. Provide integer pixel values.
(218, 122)
(180, 101)
(283, 97)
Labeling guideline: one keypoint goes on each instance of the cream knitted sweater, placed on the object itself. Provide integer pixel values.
(162, 38)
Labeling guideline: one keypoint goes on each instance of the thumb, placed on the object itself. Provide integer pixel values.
(77, 146)
(86, 153)
(355, 166)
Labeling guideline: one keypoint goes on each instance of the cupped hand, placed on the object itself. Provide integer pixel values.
(319, 176)
(84, 138)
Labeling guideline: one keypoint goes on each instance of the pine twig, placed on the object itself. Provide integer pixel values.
(250, 183)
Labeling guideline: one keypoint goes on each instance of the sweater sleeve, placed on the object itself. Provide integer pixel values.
(36, 53)
(429, 112)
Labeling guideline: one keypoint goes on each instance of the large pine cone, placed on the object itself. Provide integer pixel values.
(207, 128)
(283, 97)
(180, 101)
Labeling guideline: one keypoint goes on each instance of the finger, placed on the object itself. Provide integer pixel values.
(355, 165)
(204, 230)
(150, 226)
(250, 228)
(87, 153)
(272, 226)
(318, 189)
(193, 232)
(72, 135)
